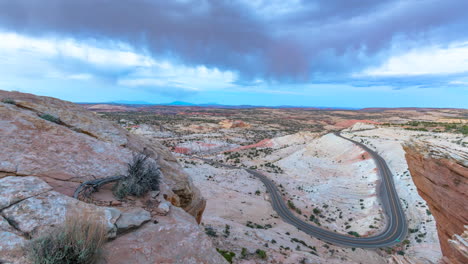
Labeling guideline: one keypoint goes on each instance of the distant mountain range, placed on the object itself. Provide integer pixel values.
(214, 105)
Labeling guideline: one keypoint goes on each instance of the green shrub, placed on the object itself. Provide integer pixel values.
(227, 231)
(50, 118)
(261, 253)
(142, 176)
(244, 253)
(78, 241)
(228, 255)
(8, 101)
(210, 231)
(354, 233)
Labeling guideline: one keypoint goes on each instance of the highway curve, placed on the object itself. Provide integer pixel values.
(396, 227)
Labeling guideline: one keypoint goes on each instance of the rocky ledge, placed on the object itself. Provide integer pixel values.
(441, 176)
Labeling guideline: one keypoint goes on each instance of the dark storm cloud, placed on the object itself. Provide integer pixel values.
(320, 38)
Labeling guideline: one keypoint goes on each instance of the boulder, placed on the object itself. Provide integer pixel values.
(132, 219)
(164, 208)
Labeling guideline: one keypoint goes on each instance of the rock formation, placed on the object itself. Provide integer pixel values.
(82, 147)
(441, 176)
(50, 146)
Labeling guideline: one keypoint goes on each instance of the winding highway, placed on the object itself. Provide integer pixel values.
(393, 233)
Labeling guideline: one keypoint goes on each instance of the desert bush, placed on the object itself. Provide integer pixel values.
(354, 233)
(50, 118)
(261, 253)
(210, 231)
(228, 255)
(244, 253)
(77, 241)
(142, 176)
(8, 101)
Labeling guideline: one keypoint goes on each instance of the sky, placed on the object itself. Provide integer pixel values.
(334, 53)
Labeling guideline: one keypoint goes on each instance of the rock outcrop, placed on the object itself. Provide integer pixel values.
(49, 147)
(149, 244)
(29, 207)
(441, 176)
(80, 147)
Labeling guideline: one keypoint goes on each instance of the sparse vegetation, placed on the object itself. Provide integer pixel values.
(244, 253)
(77, 241)
(210, 231)
(258, 226)
(142, 176)
(8, 101)
(261, 253)
(228, 255)
(354, 233)
(227, 230)
(50, 118)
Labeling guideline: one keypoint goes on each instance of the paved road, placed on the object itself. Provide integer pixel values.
(394, 232)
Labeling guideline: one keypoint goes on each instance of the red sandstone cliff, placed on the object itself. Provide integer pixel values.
(441, 176)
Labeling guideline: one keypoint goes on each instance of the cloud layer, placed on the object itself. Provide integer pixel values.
(275, 40)
(214, 49)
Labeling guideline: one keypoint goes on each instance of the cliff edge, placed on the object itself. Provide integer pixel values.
(441, 176)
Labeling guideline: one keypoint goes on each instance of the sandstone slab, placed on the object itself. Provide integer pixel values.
(14, 189)
(39, 213)
(176, 238)
(10, 244)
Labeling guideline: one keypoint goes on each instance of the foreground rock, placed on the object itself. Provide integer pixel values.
(54, 146)
(132, 219)
(34, 209)
(175, 238)
(11, 243)
(77, 147)
(441, 176)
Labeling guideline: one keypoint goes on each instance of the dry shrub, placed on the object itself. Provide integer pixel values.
(142, 176)
(79, 241)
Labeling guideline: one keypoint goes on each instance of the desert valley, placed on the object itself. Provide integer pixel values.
(325, 180)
